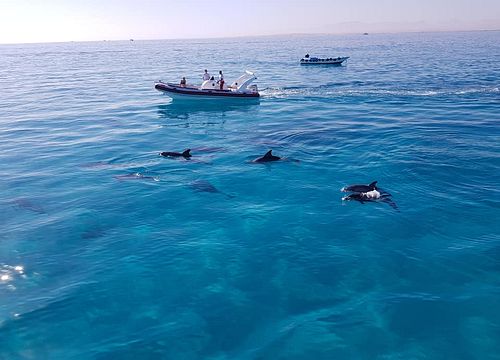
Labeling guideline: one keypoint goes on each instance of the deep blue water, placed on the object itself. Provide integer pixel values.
(274, 265)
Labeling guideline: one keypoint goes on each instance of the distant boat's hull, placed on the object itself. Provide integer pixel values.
(329, 61)
(178, 92)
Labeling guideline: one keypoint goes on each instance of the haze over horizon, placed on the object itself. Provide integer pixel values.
(80, 20)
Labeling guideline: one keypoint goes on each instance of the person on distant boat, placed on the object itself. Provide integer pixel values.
(206, 75)
(221, 80)
(183, 82)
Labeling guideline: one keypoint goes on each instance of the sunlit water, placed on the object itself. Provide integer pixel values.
(220, 258)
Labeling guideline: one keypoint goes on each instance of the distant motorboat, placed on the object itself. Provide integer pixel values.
(240, 88)
(307, 60)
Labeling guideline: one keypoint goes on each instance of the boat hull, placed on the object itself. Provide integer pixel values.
(177, 92)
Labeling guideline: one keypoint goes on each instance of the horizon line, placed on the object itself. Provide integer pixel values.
(254, 36)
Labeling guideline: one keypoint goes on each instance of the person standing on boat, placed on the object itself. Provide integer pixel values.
(206, 75)
(183, 82)
(221, 80)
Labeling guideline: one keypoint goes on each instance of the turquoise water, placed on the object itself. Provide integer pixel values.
(220, 258)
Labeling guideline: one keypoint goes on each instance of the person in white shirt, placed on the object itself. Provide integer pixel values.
(206, 75)
(221, 80)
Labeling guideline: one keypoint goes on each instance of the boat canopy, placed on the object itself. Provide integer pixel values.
(243, 81)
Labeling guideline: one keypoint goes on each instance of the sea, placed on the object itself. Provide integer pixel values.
(110, 251)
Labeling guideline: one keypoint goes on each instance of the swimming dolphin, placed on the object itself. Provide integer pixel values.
(208, 149)
(185, 154)
(360, 188)
(268, 157)
(205, 186)
(374, 195)
(366, 196)
(27, 204)
(370, 192)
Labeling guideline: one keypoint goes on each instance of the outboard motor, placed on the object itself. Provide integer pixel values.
(252, 88)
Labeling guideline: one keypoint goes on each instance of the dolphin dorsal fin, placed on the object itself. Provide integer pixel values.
(373, 185)
(186, 152)
(268, 154)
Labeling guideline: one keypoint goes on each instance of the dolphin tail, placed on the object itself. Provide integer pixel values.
(391, 203)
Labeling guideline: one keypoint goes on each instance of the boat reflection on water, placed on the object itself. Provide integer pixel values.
(184, 110)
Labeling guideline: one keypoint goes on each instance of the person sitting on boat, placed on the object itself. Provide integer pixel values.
(183, 82)
(206, 75)
(221, 80)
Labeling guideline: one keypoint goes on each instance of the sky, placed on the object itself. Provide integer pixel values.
(25, 21)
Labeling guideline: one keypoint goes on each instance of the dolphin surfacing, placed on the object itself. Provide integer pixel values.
(360, 188)
(268, 157)
(368, 193)
(185, 154)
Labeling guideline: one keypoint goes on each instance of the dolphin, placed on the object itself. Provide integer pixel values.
(27, 204)
(366, 196)
(268, 157)
(185, 154)
(208, 149)
(374, 195)
(205, 186)
(360, 188)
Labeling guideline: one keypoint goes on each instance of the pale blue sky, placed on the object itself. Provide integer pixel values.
(59, 20)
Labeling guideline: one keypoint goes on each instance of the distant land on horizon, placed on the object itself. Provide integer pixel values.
(261, 36)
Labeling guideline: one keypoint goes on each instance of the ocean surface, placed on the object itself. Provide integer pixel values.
(110, 251)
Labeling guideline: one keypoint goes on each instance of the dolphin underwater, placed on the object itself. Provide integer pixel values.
(185, 154)
(27, 204)
(268, 157)
(205, 186)
(360, 188)
(373, 194)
